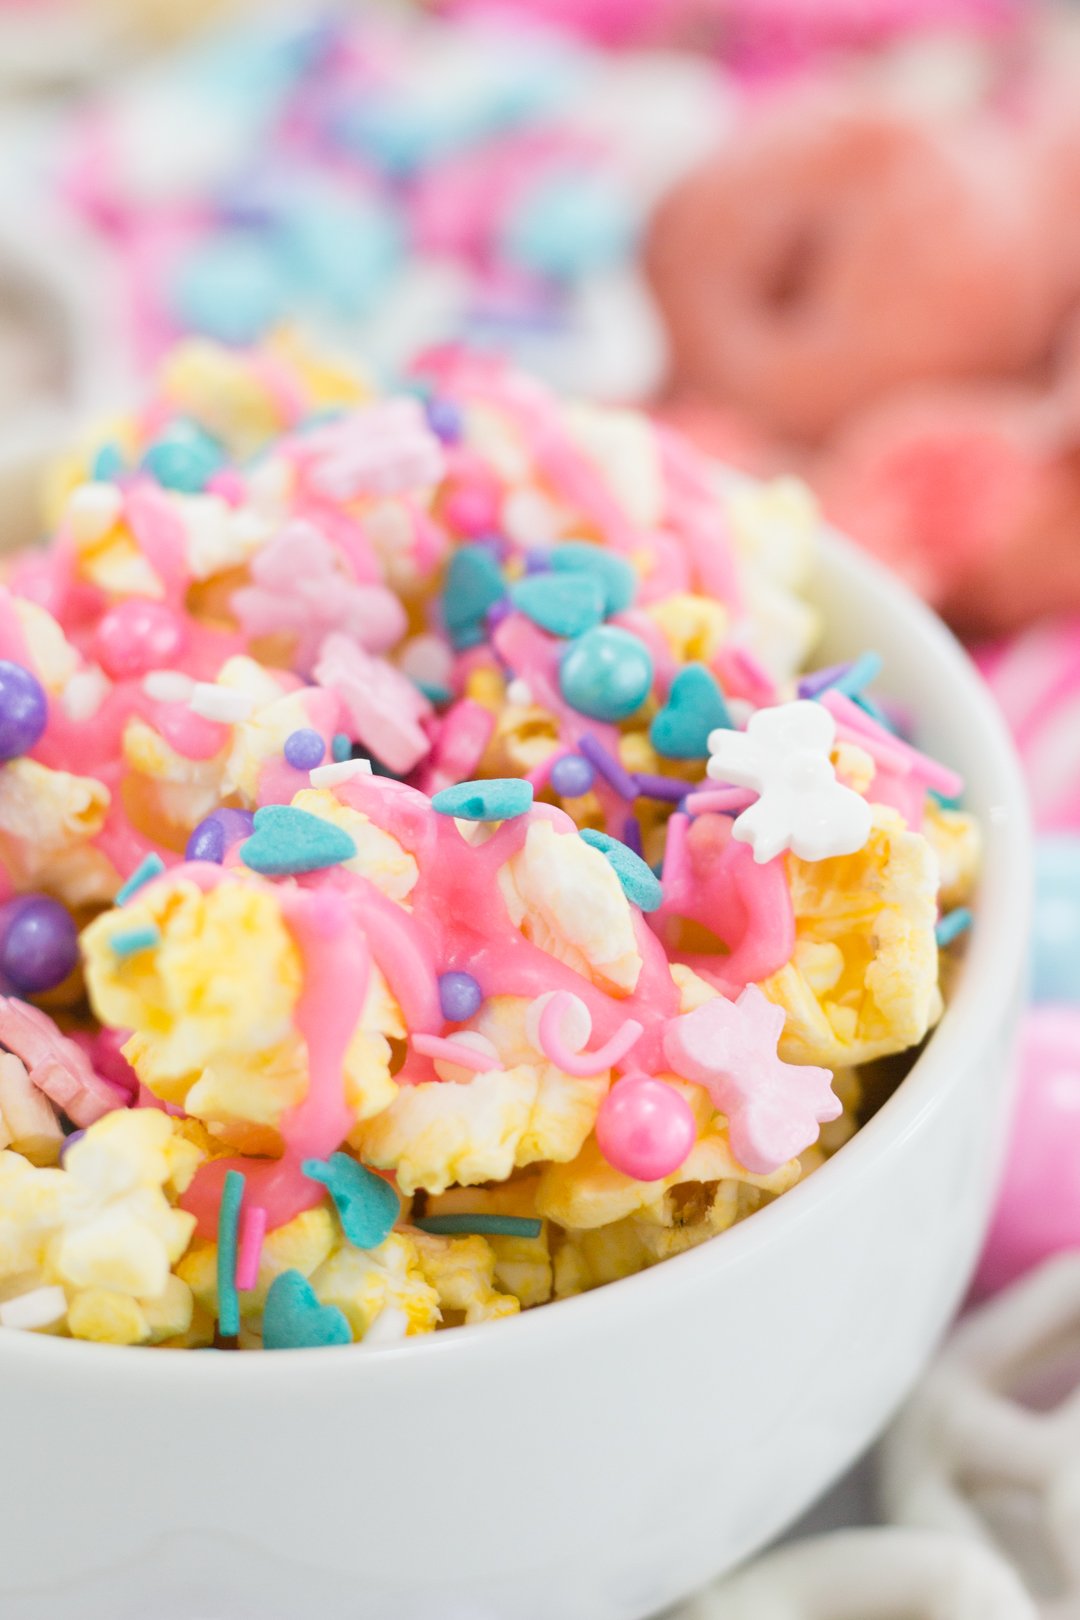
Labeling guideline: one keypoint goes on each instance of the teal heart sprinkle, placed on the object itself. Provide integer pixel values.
(616, 576)
(499, 799)
(288, 841)
(639, 882)
(367, 1205)
(695, 706)
(232, 1196)
(294, 1319)
(474, 583)
(564, 604)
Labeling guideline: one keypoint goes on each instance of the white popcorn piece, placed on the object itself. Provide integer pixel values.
(783, 756)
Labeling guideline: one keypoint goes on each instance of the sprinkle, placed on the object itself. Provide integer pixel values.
(607, 673)
(812, 685)
(728, 801)
(342, 770)
(367, 1204)
(39, 1308)
(499, 799)
(478, 1225)
(927, 770)
(150, 867)
(220, 703)
(304, 749)
(609, 767)
(108, 464)
(460, 996)
(565, 604)
(616, 577)
(293, 1318)
(695, 707)
(473, 584)
(552, 1024)
(632, 834)
(639, 884)
(184, 458)
(130, 941)
(289, 841)
(232, 1194)
(863, 672)
(168, 686)
(252, 1233)
(571, 776)
(439, 696)
(519, 693)
(952, 925)
(340, 748)
(456, 1052)
(659, 787)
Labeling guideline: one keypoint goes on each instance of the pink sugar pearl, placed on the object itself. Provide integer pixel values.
(1038, 1209)
(137, 636)
(644, 1128)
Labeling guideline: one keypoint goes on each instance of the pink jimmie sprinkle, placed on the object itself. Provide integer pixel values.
(581, 1063)
(726, 800)
(252, 1232)
(936, 776)
(466, 1057)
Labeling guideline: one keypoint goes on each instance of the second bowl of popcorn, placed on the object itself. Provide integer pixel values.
(464, 849)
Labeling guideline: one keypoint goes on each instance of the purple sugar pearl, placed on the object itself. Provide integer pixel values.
(304, 749)
(39, 944)
(571, 776)
(444, 419)
(24, 709)
(459, 996)
(214, 837)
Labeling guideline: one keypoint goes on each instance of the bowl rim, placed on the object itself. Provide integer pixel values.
(990, 974)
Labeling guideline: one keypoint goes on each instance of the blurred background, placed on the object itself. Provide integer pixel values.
(835, 237)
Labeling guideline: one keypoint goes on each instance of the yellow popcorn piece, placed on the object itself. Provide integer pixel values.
(564, 896)
(223, 980)
(51, 656)
(956, 840)
(590, 1193)
(693, 626)
(108, 1318)
(461, 1270)
(54, 809)
(363, 1282)
(622, 445)
(28, 1121)
(522, 1265)
(221, 391)
(774, 526)
(864, 977)
(379, 857)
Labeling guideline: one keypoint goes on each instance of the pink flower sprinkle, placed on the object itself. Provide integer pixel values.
(383, 449)
(384, 706)
(774, 1109)
(300, 585)
(55, 1064)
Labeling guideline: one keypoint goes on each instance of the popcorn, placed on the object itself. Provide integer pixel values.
(426, 1010)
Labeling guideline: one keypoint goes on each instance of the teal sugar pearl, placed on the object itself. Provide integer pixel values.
(607, 673)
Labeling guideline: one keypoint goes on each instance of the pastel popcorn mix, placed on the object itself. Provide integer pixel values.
(435, 886)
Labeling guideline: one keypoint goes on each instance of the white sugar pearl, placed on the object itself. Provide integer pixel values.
(576, 1024)
(344, 770)
(221, 703)
(41, 1307)
(476, 1043)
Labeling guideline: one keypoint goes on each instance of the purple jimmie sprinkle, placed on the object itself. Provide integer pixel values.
(632, 834)
(608, 766)
(672, 788)
(812, 685)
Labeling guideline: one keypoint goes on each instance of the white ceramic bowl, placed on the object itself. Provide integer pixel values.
(592, 1460)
